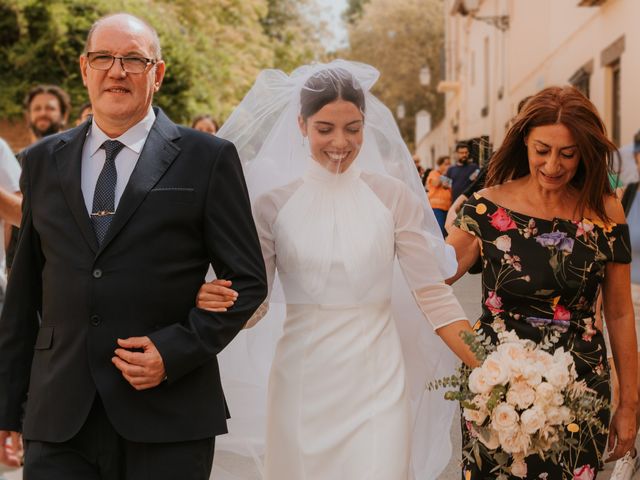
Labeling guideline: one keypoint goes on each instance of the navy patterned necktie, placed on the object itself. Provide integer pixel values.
(104, 197)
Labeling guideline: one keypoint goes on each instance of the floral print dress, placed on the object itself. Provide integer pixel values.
(541, 279)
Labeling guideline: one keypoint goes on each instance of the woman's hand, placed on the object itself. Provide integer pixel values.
(216, 296)
(622, 432)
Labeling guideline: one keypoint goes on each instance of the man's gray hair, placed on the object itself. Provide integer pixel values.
(157, 51)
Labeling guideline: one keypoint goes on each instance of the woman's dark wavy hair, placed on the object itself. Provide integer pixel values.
(327, 86)
(569, 107)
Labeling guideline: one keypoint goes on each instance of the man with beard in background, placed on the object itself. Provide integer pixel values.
(47, 110)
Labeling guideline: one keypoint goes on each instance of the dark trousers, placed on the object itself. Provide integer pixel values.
(97, 452)
(441, 216)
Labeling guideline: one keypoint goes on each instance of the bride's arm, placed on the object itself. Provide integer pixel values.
(419, 264)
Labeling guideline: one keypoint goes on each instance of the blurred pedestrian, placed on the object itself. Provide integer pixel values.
(418, 163)
(46, 110)
(477, 184)
(85, 112)
(629, 464)
(463, 172)
(439, 190)
(10, 202)
(205, 123)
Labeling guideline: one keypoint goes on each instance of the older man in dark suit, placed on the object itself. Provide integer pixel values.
(100, 336)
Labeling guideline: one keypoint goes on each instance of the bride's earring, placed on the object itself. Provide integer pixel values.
(304, 141)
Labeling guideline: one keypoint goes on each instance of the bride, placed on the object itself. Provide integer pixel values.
(337, 202)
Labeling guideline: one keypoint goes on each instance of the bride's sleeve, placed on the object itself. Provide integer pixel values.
(416, 250)
(265, 212)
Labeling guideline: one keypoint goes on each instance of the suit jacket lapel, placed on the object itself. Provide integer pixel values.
(157, 155)
(68, 159)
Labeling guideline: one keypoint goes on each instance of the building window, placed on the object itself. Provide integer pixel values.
(473, 68)
(582, 79)
(487, 68)
(615, 102)
(610, 58)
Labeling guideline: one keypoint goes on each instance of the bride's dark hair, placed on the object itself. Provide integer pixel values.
(327, 86)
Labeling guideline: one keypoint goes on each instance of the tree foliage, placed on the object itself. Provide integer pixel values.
(354, 10)
(399, 37)
(213, 48)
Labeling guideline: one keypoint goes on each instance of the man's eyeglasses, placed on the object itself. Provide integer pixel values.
(132, 64)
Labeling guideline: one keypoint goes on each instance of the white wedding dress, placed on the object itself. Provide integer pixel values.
(338, 404)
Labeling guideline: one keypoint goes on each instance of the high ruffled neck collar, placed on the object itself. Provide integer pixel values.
(318, 173)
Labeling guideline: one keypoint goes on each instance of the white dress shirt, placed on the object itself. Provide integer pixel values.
(10, 181)
(93, 157)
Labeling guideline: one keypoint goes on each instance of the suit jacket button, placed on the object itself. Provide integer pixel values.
(96, 320)
(97, 273)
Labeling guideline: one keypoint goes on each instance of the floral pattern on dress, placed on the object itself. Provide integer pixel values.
(541, 278)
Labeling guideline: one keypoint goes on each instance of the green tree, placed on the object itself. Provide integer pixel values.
(213, 49)
(399, 37)
(354, 10)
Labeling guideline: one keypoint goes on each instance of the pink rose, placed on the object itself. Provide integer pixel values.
(561, 313)
(501, 220)
(494, 303)
(585, 472)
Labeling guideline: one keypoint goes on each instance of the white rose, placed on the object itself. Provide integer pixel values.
(558, 415)
(503, 242)
(514, 441)
(504, 418)
(557, 400)
(496, 370)
(478, 381)
(493, 440)
(519, 468)
(532, 373)
(558, 375)
(532, 420)
(565, 415)
(476, 416)
(544, 393)
(544, 359)
(512, 352)
(521, 395)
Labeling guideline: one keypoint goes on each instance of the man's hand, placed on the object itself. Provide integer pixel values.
(11, 452)
(142, 370)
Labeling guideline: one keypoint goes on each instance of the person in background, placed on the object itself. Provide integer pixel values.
(85, 111)
(629, 464)
(46, 110)
(478, 182)
(463, 172)
(205, 123)
(418, 164)
(10, 202)
(439, 191)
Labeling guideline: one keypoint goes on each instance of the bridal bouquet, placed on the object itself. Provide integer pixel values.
(521, 400)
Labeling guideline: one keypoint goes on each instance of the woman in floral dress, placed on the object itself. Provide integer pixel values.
(551, 235)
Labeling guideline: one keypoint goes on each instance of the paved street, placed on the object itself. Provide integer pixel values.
(468, 292)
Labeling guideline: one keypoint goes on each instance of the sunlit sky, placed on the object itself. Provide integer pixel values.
(332, 16)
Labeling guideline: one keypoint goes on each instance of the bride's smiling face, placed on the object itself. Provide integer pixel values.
(335, 134)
